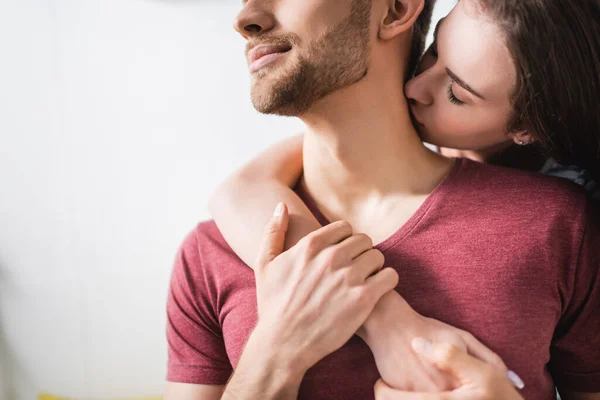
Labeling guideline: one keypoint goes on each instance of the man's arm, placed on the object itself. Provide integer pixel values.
(320, 292)
(267, 370)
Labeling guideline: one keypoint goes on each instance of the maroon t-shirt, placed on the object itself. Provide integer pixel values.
(511, 257)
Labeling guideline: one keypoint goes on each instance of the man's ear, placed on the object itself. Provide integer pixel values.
(401, 16)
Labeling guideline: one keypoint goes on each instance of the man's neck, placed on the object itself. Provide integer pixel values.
(362, 149)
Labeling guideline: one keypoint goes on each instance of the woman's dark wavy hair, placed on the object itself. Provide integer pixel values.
(555, 45)
(420, 31)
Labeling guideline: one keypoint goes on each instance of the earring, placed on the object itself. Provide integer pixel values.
(521, 143)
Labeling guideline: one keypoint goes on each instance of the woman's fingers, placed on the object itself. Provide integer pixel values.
(477, 379)
(451, 359)
(479, 350)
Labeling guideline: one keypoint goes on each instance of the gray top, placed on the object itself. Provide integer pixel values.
(574, 174)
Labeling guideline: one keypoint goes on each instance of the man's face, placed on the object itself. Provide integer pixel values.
(301, 51)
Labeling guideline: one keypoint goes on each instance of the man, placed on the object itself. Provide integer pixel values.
(340, 67)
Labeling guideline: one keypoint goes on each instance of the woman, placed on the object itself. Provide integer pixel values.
(455, 116)
(530, 112)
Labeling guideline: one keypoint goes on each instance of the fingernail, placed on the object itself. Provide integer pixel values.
(421, 346)
(516, 380)
(278, 210)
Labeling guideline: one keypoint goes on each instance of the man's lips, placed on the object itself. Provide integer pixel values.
(264, 54)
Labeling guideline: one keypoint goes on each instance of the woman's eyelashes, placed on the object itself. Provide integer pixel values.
(452, 97)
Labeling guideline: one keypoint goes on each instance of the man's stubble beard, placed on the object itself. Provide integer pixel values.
(336, 61)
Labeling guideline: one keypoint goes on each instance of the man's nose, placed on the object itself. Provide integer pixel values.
(418, 89)
(254, 19)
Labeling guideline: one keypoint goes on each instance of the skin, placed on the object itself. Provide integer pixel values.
(468, 48)
(478, 381)
(468, 45)
(273, 346)
(353, 188)
(272, 90)
(333, 56)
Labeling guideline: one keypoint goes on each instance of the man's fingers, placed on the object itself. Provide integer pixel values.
(367, 264)
(451, 359)
(382, 282)
(354, 246)
(327, 236)
(273, 240)
(479, 350)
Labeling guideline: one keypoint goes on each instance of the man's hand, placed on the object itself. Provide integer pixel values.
(315, 296)
(476, 379)
(389, 332)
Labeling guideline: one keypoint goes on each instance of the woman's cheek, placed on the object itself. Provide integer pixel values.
(448, 120)
(453, 128)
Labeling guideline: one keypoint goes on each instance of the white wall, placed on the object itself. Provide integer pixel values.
(117, 120)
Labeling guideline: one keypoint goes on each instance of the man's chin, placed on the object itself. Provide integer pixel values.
(267, 102)
(278, 98)
(280, 109)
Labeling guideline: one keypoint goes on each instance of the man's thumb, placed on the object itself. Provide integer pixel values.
(273, 240)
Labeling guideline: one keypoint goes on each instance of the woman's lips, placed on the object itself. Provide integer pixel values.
(414, 117)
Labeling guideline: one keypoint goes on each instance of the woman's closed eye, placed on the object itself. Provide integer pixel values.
(452, 97)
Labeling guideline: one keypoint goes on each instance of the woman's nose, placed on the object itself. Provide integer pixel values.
(418, 89)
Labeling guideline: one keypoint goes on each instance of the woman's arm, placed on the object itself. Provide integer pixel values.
(244, 203)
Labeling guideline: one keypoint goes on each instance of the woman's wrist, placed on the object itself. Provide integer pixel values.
(391, 307)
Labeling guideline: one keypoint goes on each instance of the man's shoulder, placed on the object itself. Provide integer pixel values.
(523, 189)
(205, 250)
(206, 232)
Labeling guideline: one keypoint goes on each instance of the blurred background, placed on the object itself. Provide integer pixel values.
(118, 118)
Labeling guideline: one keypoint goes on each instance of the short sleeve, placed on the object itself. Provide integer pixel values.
(575, 352)
(195, 341)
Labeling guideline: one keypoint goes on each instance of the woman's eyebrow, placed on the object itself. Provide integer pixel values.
(462, 83)
(451, 74)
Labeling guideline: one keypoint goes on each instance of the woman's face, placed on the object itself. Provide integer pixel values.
(461, 95)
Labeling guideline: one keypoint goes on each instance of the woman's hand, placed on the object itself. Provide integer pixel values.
(389, 331)
(476, 379)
